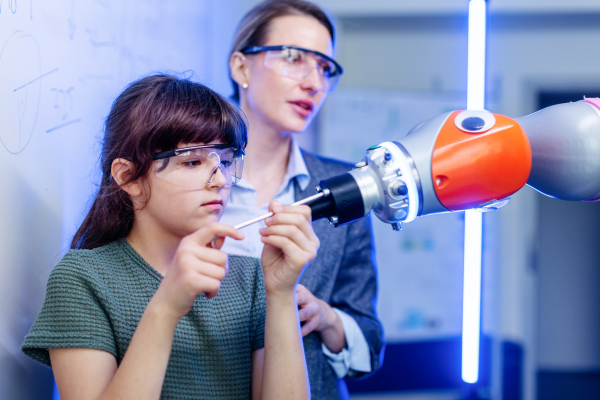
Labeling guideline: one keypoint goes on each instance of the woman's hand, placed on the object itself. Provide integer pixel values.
(320, 317)
(290, 243)
(196, 268)
(317, 315)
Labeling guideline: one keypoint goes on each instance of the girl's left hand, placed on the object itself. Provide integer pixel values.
(290, 243)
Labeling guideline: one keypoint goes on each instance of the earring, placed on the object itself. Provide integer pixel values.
(245, 85)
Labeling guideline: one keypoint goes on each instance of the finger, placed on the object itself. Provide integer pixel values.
(304, 210)
(209, 294)
(203, 268)
(275, 206)
(289, 248)
(292, 216)
(309, 326)
(307, 312)
(205, 235)
(205, 254)
(217, 242)
(302, 294)
(292, 232)
(302, 299)
(208, 285)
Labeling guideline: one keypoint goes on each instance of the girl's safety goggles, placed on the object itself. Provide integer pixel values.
(298, 63)
(195, 167)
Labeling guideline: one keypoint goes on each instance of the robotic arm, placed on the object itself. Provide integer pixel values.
(470, 159)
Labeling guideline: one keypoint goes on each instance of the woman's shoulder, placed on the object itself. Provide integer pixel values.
(329, 166)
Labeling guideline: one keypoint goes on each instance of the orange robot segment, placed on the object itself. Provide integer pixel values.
(472, 168)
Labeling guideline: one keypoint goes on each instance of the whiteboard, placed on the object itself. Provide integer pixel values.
(420, 269)
(62, 63)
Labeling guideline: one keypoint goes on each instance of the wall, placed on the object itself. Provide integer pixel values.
(569, 272)
(61, 66)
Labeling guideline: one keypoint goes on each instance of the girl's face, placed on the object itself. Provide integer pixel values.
(285, 104)
(181, 208)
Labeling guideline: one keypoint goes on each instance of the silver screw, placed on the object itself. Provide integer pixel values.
(388, 156)
(397, 226)
(333, 220)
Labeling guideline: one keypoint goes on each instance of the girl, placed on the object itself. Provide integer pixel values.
(282, 69)
(142, 307)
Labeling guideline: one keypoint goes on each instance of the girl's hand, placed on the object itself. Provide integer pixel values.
(196, 268)
(290, 243)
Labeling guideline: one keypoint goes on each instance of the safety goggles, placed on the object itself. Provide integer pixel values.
(195, 167)
(298, 63)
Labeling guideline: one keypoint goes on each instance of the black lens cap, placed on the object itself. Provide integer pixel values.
(473, 123)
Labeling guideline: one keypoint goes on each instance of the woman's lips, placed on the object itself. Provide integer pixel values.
(302, 107)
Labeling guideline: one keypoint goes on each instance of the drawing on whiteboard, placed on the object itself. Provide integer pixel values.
(36, 79)
(63, 104)
(12, 6)
(71, 122)
(99, 43)
(20, 90)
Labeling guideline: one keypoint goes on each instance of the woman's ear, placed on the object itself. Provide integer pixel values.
(122, 171)
(238, 66)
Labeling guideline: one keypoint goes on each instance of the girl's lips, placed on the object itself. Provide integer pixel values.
(214, 205)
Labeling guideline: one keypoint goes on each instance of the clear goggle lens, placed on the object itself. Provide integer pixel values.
(195, 168)
(299, 64)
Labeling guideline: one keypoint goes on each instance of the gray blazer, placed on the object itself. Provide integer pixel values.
(344, 275)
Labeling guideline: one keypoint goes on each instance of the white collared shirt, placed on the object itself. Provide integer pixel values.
(242, 207)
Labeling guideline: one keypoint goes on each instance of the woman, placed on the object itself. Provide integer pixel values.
(281, 69)
(142, 307)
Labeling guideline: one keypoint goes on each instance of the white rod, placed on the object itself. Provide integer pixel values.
(473, 219)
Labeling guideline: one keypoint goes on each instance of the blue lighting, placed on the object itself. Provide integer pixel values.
(476, 55)
(473, 219)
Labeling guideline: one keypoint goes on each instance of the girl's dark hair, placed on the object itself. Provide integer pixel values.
(155, 113)
(254, 26)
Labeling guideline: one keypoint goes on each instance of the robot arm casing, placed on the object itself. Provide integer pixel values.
(565, 145)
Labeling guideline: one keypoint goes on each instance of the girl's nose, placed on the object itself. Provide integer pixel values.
(217, 179)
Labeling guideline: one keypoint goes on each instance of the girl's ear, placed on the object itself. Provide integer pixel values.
(122, 170)
(238, 66)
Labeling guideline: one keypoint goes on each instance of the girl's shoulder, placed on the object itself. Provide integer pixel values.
(89, 263)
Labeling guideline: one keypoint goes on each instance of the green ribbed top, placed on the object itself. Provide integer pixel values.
(95, 299)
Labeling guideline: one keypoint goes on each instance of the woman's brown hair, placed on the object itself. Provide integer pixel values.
(155, 113)
(254, 26)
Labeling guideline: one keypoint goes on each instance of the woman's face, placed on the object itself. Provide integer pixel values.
(283, 103)
(179, 208)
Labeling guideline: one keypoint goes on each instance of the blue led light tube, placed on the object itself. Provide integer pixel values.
(473, 219)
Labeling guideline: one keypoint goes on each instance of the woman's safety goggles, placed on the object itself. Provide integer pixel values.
(195, 167)
(298, 63)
